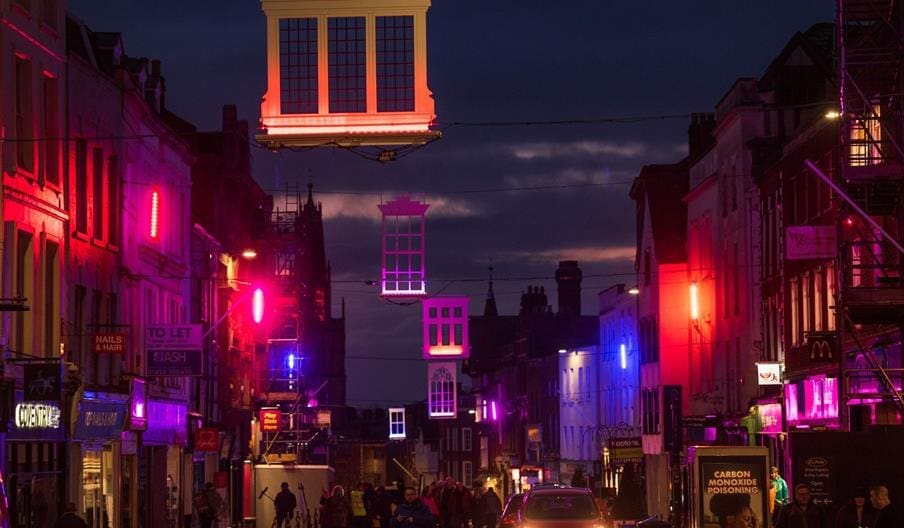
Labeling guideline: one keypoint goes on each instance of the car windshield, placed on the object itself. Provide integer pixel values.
(512, 504)
(549, 506)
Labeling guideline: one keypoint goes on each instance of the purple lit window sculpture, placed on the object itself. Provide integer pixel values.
(403, 270)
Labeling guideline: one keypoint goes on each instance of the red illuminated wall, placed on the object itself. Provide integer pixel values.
(674, 326)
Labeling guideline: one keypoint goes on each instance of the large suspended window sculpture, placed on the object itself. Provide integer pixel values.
(347, 73)
(403, 271)
(445, 321)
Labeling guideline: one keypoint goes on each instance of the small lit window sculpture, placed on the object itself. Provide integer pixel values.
(445, 321)
(396, 423)
(441, 381)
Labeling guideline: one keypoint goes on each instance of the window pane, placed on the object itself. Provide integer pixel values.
(298, 65)
(347, 65)
(395, 63)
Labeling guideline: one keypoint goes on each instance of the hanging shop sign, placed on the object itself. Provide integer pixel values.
(769, 373)
(623, 450)
(810, 242)
(270, 420)
(100, 420)
(770, 418)
(42, 382)
(30, 415)
(167, 423)
(207, 439)
(174, 350)
(109, 343)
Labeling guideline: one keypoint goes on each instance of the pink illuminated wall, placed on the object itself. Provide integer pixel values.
(445, 321)
(403, 269)
(815, 398)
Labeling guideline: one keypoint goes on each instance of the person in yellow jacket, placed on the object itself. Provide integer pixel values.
(359, 511)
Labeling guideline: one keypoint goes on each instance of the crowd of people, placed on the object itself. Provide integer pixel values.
(867, 508)
(444, 504)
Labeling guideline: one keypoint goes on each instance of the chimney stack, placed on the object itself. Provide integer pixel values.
(568, 278)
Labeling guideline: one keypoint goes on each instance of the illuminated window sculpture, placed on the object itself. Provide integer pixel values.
(445, 327)
(442, 398)
(403, 271)
(346, 72)
(396, 423)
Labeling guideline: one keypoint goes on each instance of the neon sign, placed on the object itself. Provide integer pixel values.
(37, 416)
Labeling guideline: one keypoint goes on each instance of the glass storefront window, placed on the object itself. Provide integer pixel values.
(98, 485)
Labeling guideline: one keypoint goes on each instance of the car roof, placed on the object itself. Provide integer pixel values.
(558, 490)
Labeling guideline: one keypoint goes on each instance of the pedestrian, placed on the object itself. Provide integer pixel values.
(203, 509)
(802, 512)
(70, 518)
(780, 490)
(381, 510)
(359, 511)
(214, 504)
(888, 517)
(492, 508)
(858, 512)
(478, 514)
(428, 497)
(285, 504)
(412, 513)
(338, 511)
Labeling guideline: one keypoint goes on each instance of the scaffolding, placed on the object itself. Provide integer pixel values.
(282, 383)
(870, 57)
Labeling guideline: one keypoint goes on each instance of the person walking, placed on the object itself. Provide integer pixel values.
(492, 508)
(802, 512)
(70, 518)
(888, 517)
(412, 513)
(780, 490)
(478, 514)
(858, 512)
(285, 504)
(338, 510)
(359, 510)
(381, 511)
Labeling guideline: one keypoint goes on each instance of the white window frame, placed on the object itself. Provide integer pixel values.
(397, 423)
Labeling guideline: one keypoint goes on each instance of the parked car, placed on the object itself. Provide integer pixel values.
(509, 517)
(559, 507)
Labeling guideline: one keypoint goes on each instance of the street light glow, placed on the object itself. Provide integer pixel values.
(249, 254)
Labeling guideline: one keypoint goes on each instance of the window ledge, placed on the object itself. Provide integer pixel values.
(81, 236)
(98, 243)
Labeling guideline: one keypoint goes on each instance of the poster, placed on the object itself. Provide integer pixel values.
(733, 491)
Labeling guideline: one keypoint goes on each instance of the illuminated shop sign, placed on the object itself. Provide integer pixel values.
(37, 416)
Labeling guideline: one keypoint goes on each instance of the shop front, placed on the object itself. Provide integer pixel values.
(164, 468)
(35, 463)
(96, 469)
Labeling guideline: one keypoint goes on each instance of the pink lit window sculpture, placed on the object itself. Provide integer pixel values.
(346, 73)
(403, 270)
(397, 423)
(445, 322)
(441, 400)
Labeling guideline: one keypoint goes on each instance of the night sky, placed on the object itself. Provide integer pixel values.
(489, 61)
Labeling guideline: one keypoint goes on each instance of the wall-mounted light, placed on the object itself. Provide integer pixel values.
(257, 305)
(695, 302)
(155, 215)
(832, 114)
(249, 254)
(623, 352)
(634, 291)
